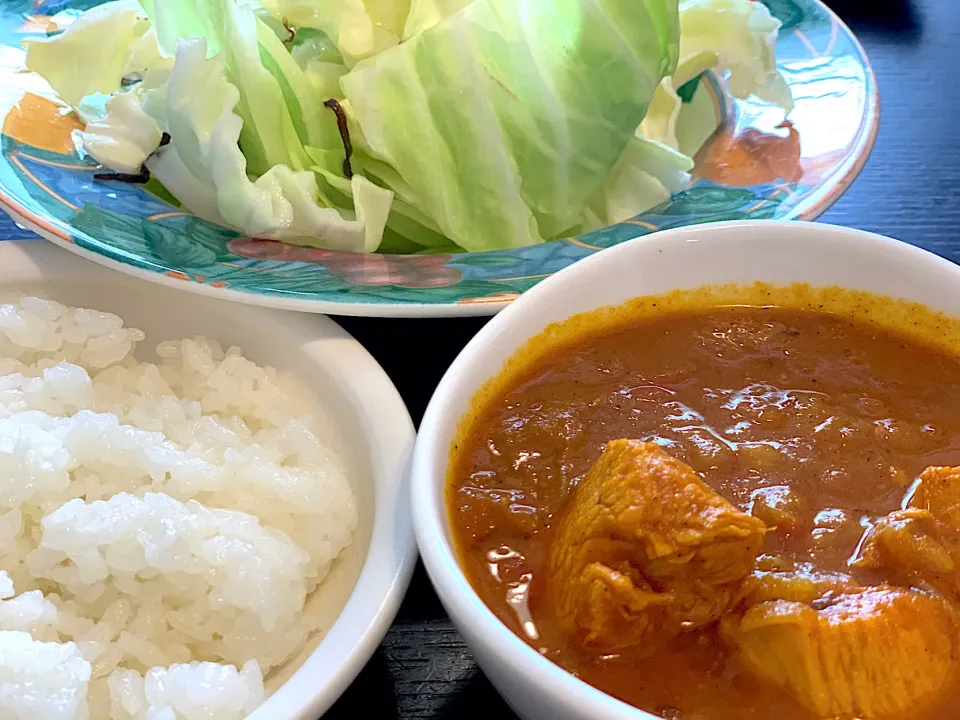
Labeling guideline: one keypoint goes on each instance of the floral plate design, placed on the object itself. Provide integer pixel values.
(754, 167)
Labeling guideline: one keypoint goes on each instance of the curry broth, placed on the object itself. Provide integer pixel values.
(754, 388)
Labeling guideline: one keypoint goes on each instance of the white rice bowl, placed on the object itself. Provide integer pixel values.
(162, 524)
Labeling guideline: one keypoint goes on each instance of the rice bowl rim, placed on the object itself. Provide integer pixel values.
(388, 435)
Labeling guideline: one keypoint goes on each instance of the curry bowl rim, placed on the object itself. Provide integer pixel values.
(499, 651)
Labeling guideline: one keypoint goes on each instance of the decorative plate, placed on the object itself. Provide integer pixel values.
(749, 170)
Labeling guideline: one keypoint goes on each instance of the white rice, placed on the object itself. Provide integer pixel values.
(163, 524)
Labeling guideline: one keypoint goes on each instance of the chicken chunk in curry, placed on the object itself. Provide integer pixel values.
(871, 653)
(921, 542)
(938, 491)
(848, 651)
(645, 550)
(778, 579)
(778, 506)
(907, 542)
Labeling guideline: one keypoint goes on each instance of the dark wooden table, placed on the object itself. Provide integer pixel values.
(910, 189)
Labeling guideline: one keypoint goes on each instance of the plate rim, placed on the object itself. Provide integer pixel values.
(818, 202)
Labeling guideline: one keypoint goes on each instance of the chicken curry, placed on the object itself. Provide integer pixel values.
(729, 512)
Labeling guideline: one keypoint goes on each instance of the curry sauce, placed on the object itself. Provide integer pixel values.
(816, 423)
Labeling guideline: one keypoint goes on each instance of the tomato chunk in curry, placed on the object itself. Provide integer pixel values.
(739, 512)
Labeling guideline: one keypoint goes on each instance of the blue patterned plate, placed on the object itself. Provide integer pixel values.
(750, 169)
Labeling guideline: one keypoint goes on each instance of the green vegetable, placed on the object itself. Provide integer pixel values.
(175, 20)
(717, 35)
(358, 28)
(320, 61)
(424, 14)
(697, 121)
(204, 167)
(125, 136)
(106, 82)
(646, 175)
(258, 99)
(505, 118)
(735, 36)
(478, 124)
(78, 63)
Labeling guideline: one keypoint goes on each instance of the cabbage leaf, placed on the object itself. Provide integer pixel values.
(648, 173)
(204, 168)
(735, 36)
(504, 118)
(424, 14)
(124, 137)
(358, 28)
(79, 62)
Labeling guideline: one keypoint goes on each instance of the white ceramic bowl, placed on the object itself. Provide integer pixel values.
(744, 252)
(367, 424)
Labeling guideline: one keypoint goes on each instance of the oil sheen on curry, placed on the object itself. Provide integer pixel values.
(736, 511)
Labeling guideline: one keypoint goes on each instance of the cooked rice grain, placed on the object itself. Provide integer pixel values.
(163, 523)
